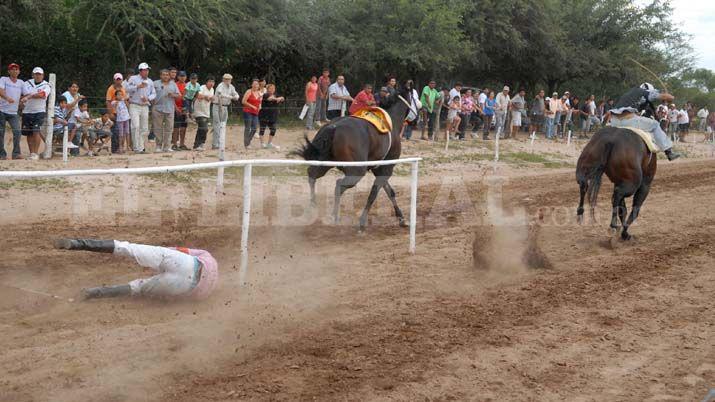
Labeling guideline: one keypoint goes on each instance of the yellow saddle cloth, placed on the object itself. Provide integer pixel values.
(647, 138)
(376, 116)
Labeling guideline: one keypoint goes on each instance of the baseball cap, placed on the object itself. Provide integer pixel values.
(384, 89)
(182, 74)
(506, 88)
(118, 76)
(13, 65)
(227, 76)
(555, 94)
(143, 66)
(194, 75)
(38, 70)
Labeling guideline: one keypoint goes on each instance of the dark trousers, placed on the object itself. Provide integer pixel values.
(250, 122)
(428, 119)
(115, 138)
(332, 114)
(14, 121)
(201, 131)
(464, 124)
(271, 125)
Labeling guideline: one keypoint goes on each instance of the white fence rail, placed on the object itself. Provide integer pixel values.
(247, 176)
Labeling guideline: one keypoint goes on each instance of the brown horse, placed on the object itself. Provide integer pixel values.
(628, 163)
(351, 139)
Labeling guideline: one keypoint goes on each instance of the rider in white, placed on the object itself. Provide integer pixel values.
(181, 272)
(627, 113)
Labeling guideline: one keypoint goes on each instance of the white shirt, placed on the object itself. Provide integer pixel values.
(335, 89)
(202, 107)
(502, 102)
(673, 115)
(703, 113)
(12, 90)
(683, 117)
(78, 116)
(135, 93)
(454, 92)
(482, 99)
(225, 94)
(36, 105)
(122, 110)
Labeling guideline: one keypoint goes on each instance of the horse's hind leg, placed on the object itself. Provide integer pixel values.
(352, 177)
(622, 211)
(314, 173)
(393, 197)
(620, 192)
(583, 187)
(638, 200)
(376, 185)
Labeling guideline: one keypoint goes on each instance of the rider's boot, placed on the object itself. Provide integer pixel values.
(106, 291)
(672, 155)
(99, 246)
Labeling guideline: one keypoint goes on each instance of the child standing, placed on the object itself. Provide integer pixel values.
(453, 118)
(268, 116)
(120, 107)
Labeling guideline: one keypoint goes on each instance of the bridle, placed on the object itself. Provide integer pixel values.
(409, 104)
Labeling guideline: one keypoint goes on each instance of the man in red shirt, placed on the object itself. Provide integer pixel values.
(179, 134)
(363, 99)
(323, 85)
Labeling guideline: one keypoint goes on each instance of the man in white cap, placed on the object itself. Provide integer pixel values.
(502, 108)
(141, 94)
(223, 96)
(181, 272)
(35, 91)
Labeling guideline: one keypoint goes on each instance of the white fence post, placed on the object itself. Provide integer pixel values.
(413, 207)
(50, 116)
(568, 141)
(221, 146)
(65, 141)
(245, 222)
(496, 145)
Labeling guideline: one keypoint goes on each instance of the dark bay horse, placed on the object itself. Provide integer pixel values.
(351, 139)
(628, 163)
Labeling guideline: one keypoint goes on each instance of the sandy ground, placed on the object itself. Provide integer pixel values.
(328, 314)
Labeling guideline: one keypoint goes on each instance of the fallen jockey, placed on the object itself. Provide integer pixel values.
(181, 272)
(626, 113)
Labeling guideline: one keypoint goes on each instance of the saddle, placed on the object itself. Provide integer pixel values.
(646, 137)
(376, 116)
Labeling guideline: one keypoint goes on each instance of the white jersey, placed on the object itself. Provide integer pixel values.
(36, 105)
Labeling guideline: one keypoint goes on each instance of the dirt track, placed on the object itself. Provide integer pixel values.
(331, 315)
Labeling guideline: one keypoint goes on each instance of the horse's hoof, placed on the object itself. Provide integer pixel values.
(361, 231)
(403, 224)
(612, 231)
(579, 219)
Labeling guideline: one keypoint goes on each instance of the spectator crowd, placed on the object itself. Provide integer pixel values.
(138, 110)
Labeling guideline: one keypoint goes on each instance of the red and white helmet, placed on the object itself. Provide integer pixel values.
(647, 86)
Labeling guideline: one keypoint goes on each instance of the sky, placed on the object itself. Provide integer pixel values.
(697, 17)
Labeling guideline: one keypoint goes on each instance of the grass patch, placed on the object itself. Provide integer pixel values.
(34, 184)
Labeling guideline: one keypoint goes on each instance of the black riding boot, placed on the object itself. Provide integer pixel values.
(106, 291)
(672, 155)
(99, 246)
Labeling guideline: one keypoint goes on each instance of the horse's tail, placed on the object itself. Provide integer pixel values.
(589, 177)
(320, 149)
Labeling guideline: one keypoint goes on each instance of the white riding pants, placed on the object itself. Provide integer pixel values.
(175, 270)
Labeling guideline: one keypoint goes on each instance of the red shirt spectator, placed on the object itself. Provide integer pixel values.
(181, 84)
(363, 99)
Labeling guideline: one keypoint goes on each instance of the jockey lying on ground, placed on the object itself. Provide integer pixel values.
(181, 272)
(627, 114)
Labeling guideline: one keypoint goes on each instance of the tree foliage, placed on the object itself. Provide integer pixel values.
(581, 45)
